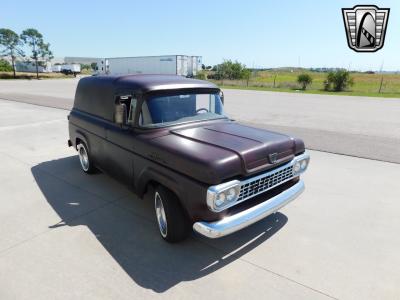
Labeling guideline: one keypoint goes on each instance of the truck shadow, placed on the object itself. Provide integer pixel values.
(125, 226)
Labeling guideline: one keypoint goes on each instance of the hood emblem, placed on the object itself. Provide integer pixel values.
(273, 157)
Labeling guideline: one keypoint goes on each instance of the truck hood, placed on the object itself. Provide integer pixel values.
(216, 152)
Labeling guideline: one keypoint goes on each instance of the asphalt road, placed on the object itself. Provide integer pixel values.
(68, 235)
(357, 126)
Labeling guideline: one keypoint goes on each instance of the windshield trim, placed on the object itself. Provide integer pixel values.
(184, 123)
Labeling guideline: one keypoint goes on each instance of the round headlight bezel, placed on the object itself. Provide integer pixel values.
(303, 164)
(220, 199)
(215, 193)
(231, 194)
(296, 167)
(300, 165)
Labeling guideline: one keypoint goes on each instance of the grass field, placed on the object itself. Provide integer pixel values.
(286, 81)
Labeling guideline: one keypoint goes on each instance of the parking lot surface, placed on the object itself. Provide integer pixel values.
(68, 235)
(359, 126)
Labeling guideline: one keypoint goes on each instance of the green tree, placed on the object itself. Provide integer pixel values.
(11, 43)
(338, 80)
(5, 66)
(246, 74)
(40, 49)
(304, 80)
(86, 66)
(229, 70)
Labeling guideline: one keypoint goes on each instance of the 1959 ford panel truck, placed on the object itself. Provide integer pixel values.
(207, 171)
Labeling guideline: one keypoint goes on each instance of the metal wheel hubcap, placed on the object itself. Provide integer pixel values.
(160, 213)
(83, 157)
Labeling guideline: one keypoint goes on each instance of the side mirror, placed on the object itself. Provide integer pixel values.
(221, 96)
(120, 114)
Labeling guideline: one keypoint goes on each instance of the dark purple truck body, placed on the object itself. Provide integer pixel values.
(188, 158)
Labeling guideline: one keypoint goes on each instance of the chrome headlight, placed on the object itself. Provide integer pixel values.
(300, 164)
(296, 167)
(221, 196)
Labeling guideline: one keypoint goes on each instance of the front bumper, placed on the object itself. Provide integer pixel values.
(249, 216)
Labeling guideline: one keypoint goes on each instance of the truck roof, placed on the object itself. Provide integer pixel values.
(96, 94)
(148, 83)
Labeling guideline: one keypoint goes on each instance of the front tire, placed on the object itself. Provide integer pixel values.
(85, 158)
(171, 219)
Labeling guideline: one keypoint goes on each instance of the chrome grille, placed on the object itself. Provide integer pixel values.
(264, 182)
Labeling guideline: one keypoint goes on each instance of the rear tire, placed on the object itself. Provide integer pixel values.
(172, 222)
(85, 158)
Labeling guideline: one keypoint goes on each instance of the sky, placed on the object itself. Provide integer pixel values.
(261, 33)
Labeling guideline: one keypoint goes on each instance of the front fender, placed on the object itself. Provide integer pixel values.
(151, 175)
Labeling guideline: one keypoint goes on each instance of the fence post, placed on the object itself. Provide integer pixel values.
(380, 86)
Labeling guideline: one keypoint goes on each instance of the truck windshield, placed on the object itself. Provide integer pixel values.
(160, 111)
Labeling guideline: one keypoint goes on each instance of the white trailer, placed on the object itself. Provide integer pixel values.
(194, 64)
(30, 67)
(68, 69)
(101, 66)
(168, 64)
(56, 68)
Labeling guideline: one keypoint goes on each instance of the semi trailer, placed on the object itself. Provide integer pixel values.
(183, 65)
(70, 69)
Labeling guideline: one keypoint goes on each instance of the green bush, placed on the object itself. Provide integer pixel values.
(86, 67)
(201, 75)
(338, 81)
(5, 66)
(230, 70)
(304, 80)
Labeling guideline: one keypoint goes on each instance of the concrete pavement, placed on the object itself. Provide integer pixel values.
(358, 126)
(65, 234)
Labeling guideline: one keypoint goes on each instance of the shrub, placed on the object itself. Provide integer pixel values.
(326, 85)
(338, 81)
(246, 74)
(304, 80)
(230, 70)
(86, 67)
(5, 66)
(201, 75)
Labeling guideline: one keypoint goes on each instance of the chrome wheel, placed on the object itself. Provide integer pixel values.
(83, 157)
(160, 213)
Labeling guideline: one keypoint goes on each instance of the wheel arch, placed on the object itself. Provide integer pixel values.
(81, 137)
(151, 177)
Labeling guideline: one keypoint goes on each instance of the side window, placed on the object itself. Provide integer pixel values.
(128, 101)
(202, 102)
(205, 103)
